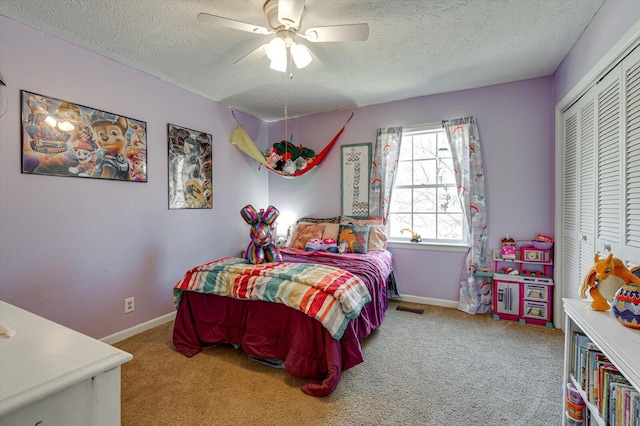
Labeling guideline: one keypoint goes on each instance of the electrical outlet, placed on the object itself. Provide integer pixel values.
(129, 305)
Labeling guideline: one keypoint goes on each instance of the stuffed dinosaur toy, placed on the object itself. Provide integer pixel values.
(604, 279)
(261, 248)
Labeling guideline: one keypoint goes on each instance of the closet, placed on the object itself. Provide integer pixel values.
(600, 175)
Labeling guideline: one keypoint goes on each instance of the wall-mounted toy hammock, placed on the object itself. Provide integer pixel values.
(282, 159)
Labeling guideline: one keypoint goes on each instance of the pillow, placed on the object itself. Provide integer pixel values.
(377, 238)
(330, 229)
(362, 221)
(305, 232)
(356, 237)
(335, 219)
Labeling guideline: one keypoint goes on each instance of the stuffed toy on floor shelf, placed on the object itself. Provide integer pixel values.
(604, 279)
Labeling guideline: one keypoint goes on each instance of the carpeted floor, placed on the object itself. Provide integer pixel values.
(442, 367)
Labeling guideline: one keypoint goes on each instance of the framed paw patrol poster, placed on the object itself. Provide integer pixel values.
(190, 169)
(61, 138)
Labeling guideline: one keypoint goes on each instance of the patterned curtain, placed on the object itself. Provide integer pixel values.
(475, 296)
(384, 162)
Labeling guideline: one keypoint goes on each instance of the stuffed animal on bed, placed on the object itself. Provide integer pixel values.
(261, 249)
(327, 244)
(604, 279)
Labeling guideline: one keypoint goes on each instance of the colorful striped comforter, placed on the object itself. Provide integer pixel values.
(328, 294)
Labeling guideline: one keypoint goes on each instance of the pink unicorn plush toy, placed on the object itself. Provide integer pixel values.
(261, 249)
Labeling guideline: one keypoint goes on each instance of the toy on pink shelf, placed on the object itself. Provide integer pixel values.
(510, 271)
(261, 249)
(508, 250)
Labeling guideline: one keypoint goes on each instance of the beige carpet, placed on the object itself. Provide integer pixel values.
(443, 367)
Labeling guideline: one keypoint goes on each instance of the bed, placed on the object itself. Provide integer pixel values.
(231, 301)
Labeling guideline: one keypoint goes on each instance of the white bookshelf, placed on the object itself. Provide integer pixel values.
(619, 343)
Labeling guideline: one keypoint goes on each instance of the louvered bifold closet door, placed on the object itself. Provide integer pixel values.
(609, 165)
(587, 182)
(569, 244)
(631, 72)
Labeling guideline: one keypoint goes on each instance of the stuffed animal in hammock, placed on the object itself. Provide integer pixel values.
(604, 279)
(261, 249)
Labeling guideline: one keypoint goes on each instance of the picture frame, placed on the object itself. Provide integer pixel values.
(61, 138)
(190, 168)
(355, 171)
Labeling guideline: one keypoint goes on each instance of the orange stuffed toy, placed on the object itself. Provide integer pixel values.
(612, 270)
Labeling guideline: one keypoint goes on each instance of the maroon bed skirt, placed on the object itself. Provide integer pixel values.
(273, 331)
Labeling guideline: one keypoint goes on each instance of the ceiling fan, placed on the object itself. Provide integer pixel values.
(285, 21)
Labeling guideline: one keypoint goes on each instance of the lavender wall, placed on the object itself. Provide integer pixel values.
(73, 249)
(612, 21)
(515, 121)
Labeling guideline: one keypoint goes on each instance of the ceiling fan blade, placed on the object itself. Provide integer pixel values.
(290, 12)
(349, 32)
(254, 55)
(230, 23)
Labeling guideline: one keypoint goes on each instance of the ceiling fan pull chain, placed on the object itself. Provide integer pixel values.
(286, 112)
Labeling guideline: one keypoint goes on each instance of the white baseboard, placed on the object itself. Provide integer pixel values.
(137, 329)
(429, 301)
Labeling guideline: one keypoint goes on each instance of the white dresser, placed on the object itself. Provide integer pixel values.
(51, 375)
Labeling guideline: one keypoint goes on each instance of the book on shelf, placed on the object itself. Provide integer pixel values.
(620, 405)
(609, 401)
(580, 343)
(593, 355)
(602, 364)
(608, 374)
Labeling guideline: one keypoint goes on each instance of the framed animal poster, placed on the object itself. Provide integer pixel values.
(190, 169)
(355, 168)
(61, 138)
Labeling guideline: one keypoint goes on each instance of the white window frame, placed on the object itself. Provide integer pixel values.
(430, 244)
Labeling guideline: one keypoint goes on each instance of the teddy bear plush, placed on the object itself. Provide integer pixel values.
(261, 248)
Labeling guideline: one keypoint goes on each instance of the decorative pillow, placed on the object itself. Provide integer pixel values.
(304, 233)
(377, 238)
(356, 237)
(330, 229)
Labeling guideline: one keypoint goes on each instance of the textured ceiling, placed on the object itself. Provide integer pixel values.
(415, 47)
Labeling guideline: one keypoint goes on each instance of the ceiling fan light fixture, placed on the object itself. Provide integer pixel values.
(276, 49)
(301, 55)
(279, 64)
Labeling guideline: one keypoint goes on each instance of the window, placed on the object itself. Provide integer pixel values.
(424, 198)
